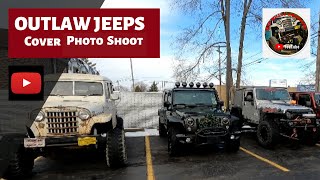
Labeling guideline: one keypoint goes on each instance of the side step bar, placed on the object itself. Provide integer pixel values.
(248, 129)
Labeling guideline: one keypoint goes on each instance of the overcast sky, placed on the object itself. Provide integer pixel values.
(172, 22)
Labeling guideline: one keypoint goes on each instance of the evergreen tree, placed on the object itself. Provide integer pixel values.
(153, 87)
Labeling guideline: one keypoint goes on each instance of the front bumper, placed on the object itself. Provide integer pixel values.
(301, 124)
(63, 141)
(215, 138)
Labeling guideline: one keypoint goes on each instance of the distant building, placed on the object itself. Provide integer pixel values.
(305, 88)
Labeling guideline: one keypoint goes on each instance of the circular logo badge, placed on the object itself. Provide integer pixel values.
(286, 33)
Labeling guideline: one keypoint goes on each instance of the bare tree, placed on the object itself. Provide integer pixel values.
(191, 39)
(200, 38)
(140, 87)
(246, 8)
(225, 13)
(318, 60)
(308, 78)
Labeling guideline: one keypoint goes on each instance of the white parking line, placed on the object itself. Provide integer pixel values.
(146, 132)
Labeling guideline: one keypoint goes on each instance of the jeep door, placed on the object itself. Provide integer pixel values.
(162, 111)
(109, 106)
(249, 107)
(305, 99)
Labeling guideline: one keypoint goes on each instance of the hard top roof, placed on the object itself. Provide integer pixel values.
(189, 88)
(260, 87)
(75, 76)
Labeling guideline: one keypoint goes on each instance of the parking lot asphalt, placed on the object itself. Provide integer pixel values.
(148, 159)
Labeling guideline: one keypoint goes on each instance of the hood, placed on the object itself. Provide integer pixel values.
(91, 106)
(198, 111)
(282, 106)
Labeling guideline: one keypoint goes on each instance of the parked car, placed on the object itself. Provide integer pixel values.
(269, 111)
(308, 99)
(193, 115)
(80, 111)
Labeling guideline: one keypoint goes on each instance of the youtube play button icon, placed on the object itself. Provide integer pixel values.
(25, 83)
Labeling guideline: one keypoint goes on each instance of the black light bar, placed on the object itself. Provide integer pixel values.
(184, 84)
(204, 84)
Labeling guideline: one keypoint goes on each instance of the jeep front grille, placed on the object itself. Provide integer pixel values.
(209, 123)
(62, 122)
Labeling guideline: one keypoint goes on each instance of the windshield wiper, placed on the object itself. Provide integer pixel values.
(93, 95)
(202, 104)
(180, 105)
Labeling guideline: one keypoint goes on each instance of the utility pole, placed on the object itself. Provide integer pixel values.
(132, 75)
(318, 60)
(229, 81)
(219, 67)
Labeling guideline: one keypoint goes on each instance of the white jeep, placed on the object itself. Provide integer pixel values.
(79, 111)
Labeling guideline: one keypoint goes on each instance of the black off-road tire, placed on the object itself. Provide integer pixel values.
(162, 130)
(311, 138)
(116, 154)
(21, 165)
(268, 134)
(233, 146)
(174, 146)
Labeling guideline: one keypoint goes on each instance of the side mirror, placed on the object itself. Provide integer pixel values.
(114, 97)
(166, 104)
(248, 98)
(221, 103)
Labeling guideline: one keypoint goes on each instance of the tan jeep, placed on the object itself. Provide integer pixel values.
(79, 111)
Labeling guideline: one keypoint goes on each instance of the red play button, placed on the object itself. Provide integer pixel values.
(26, 83)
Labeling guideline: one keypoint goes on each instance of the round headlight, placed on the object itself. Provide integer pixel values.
(190, 121)
(39, 117)
(225, 121)
(84, 114)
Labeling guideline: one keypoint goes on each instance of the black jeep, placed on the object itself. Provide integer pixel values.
(193, 115)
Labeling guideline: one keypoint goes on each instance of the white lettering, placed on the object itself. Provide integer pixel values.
(66, 24)
(139, 22)
(80, 24)
(24, 23)
(54, 24)
(117, 21)
(111, 40)
(97, 20)
(29, 41)
(34, 24)
(71, 40)
(105, 25)
(128, 22)
(45, 22)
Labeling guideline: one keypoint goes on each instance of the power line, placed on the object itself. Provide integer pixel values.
(252, 56)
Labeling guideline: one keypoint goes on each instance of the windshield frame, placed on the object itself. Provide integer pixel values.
(73, 88)
(277, 89)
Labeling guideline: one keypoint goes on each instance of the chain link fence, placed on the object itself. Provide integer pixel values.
(139, 109)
